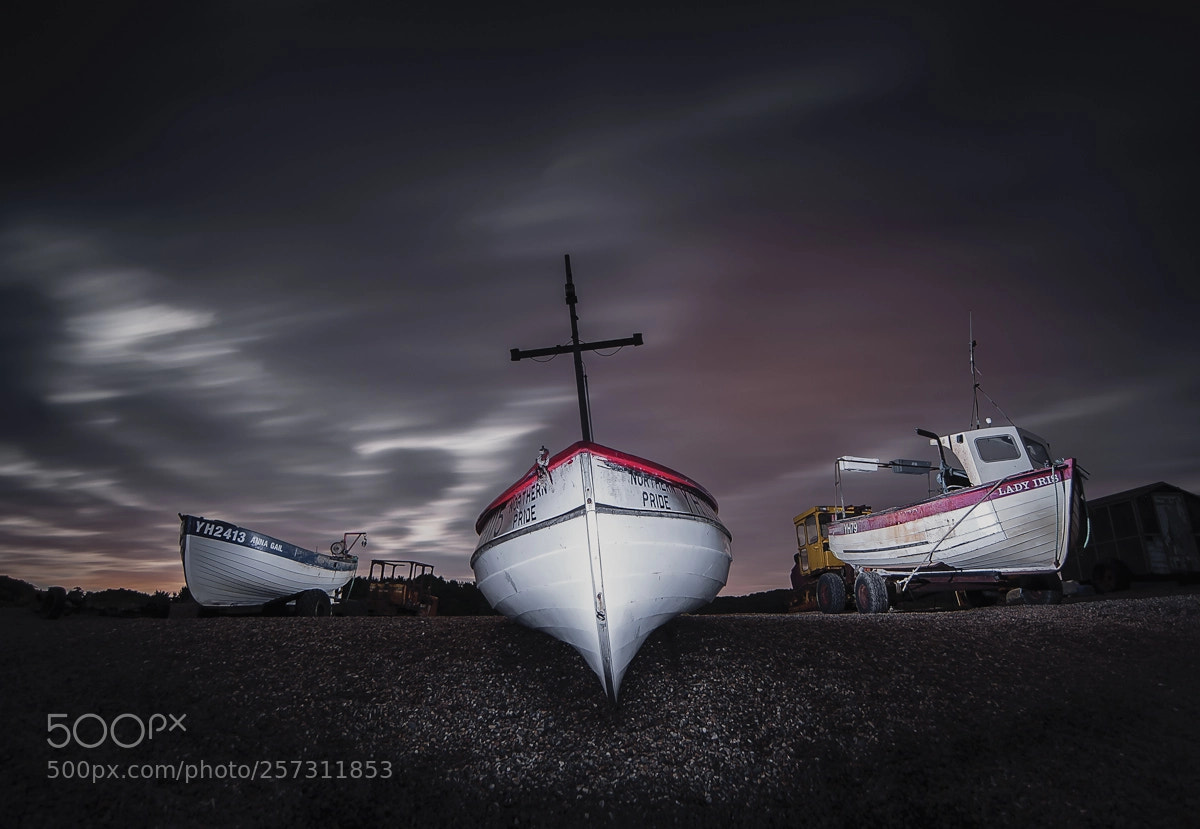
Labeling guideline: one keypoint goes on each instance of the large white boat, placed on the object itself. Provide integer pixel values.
(1010, 516)
(227, 566)
(597, 547)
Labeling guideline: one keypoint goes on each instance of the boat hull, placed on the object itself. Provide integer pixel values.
(1023, 524)
(600, 551)
(230, 566)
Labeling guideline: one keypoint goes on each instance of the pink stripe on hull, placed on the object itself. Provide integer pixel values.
(1012, 485)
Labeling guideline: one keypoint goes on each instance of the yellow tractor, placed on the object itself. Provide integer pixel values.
(820, 580)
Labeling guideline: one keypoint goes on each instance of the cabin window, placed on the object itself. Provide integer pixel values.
(1039, 455)
(810, 525)
(823, 523)
(997, 448)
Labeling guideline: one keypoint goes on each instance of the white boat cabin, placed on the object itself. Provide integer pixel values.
(996, 452)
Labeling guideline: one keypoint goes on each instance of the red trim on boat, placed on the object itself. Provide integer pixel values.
(568, 455)
(955, 500)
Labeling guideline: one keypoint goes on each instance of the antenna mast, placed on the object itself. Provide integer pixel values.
(974, 373)
(976, 388)
(577, 348)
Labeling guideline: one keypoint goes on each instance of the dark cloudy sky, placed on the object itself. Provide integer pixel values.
(265, 261)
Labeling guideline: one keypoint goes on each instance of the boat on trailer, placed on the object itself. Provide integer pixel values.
(1013, 519)
(596, 547)
(227, 566)
(1009, 517)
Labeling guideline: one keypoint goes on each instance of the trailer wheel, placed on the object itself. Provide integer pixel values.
(1041, 596)
(980, 598)
(870, 593)
(1041, 590)
(313, 603)
(831, 593)
(1110, 576)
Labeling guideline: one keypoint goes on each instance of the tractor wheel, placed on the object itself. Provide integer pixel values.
(831, 593)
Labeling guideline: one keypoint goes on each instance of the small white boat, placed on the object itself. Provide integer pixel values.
(1013, 518)
(596, 547)
(227, 566)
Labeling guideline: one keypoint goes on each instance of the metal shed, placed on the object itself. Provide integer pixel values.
(1145, 533)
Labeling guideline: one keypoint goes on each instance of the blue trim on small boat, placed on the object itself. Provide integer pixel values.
(215, 530)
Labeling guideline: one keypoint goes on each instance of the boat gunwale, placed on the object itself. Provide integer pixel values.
(948, 502)
(607, 509)
(604, 453)
(308, 558)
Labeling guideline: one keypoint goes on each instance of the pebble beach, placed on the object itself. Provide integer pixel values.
(1081, 714)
